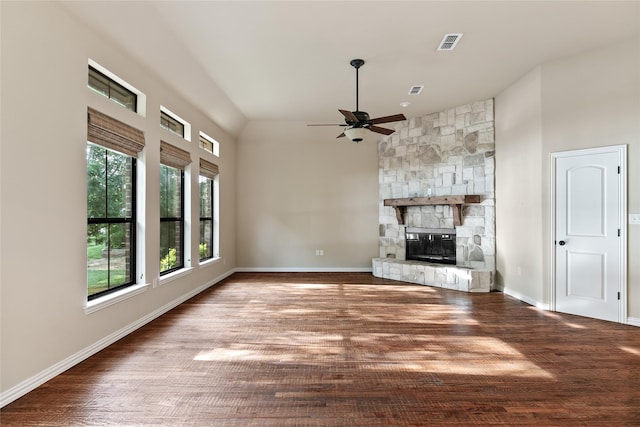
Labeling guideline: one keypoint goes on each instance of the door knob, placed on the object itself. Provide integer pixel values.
(562, 243)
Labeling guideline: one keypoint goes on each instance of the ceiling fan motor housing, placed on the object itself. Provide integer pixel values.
(362, 117)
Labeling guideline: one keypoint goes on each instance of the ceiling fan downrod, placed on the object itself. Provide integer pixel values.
(357, 63)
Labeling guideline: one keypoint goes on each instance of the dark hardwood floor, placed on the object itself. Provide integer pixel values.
(348, 349)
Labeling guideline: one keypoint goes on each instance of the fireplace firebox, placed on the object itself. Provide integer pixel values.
(436, 245)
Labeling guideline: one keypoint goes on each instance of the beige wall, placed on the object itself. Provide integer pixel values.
(43, 190)
(588, 100)
(518, 123)
(301, 189)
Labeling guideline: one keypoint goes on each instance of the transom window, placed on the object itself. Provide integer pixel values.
(108, 87)
(209, 144)
(171, 124)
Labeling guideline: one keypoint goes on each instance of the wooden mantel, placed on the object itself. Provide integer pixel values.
(456, 202)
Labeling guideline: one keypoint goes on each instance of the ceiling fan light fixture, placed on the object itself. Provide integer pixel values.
(356, 134)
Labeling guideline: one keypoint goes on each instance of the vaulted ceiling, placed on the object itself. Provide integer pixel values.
(289, 60)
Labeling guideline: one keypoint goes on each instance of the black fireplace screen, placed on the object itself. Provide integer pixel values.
(432, 245)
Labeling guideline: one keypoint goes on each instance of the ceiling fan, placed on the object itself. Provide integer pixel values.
(358, 122)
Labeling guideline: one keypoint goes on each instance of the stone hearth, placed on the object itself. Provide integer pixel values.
(438, 275)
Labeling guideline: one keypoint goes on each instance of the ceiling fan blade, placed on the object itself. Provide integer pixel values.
(349, 115)
(329, 124)
(341, 135)
(388, 119)
(378, 129)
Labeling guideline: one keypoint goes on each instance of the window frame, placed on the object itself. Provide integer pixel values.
(112, 85)
(173, 117)
(171, 124)
(205, 140)
(108, 221)
(180, 220)
(211, 218)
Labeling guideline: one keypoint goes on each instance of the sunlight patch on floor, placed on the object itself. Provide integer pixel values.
(465, 356)
(432, 314)
(545, 312)
(557, 316)
(455, 355)
(311, 286)
(298, 311)
(228, 354)
(631, 350)
(575, 325)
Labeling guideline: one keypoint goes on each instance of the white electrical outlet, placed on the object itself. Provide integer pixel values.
(634, 218)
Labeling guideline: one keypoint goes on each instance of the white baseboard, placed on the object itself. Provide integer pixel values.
(42, 377)
(525, 298)
(303, 270)
(633, 321)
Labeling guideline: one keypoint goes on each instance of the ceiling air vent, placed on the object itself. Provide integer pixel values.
(415, 90)
(449, 41)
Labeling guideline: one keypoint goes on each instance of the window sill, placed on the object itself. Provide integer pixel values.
(175, 275)
(114, 298)
(210, 261)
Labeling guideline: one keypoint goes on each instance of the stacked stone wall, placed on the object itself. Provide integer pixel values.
(441, 154)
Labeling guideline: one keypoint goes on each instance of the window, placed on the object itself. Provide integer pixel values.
(106, 86)
(171, 219)
(206, 218)
(171, 124)
(112, 148)
(174, 123)
(111, 225)
(173, 161)
(209, 144)
(208, 225)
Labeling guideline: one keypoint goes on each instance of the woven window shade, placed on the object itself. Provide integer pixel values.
(113, 134)
(173, 156)
(208, 169)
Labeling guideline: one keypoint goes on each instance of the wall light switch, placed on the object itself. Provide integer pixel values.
(634, 218)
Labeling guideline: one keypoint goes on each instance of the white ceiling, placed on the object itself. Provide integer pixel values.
(289, 60)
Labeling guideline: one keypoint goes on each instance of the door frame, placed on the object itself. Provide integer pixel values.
(621, 150)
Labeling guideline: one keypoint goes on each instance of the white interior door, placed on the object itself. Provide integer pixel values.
(588, 232)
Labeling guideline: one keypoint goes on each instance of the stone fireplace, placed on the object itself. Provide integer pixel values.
(450, 153)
